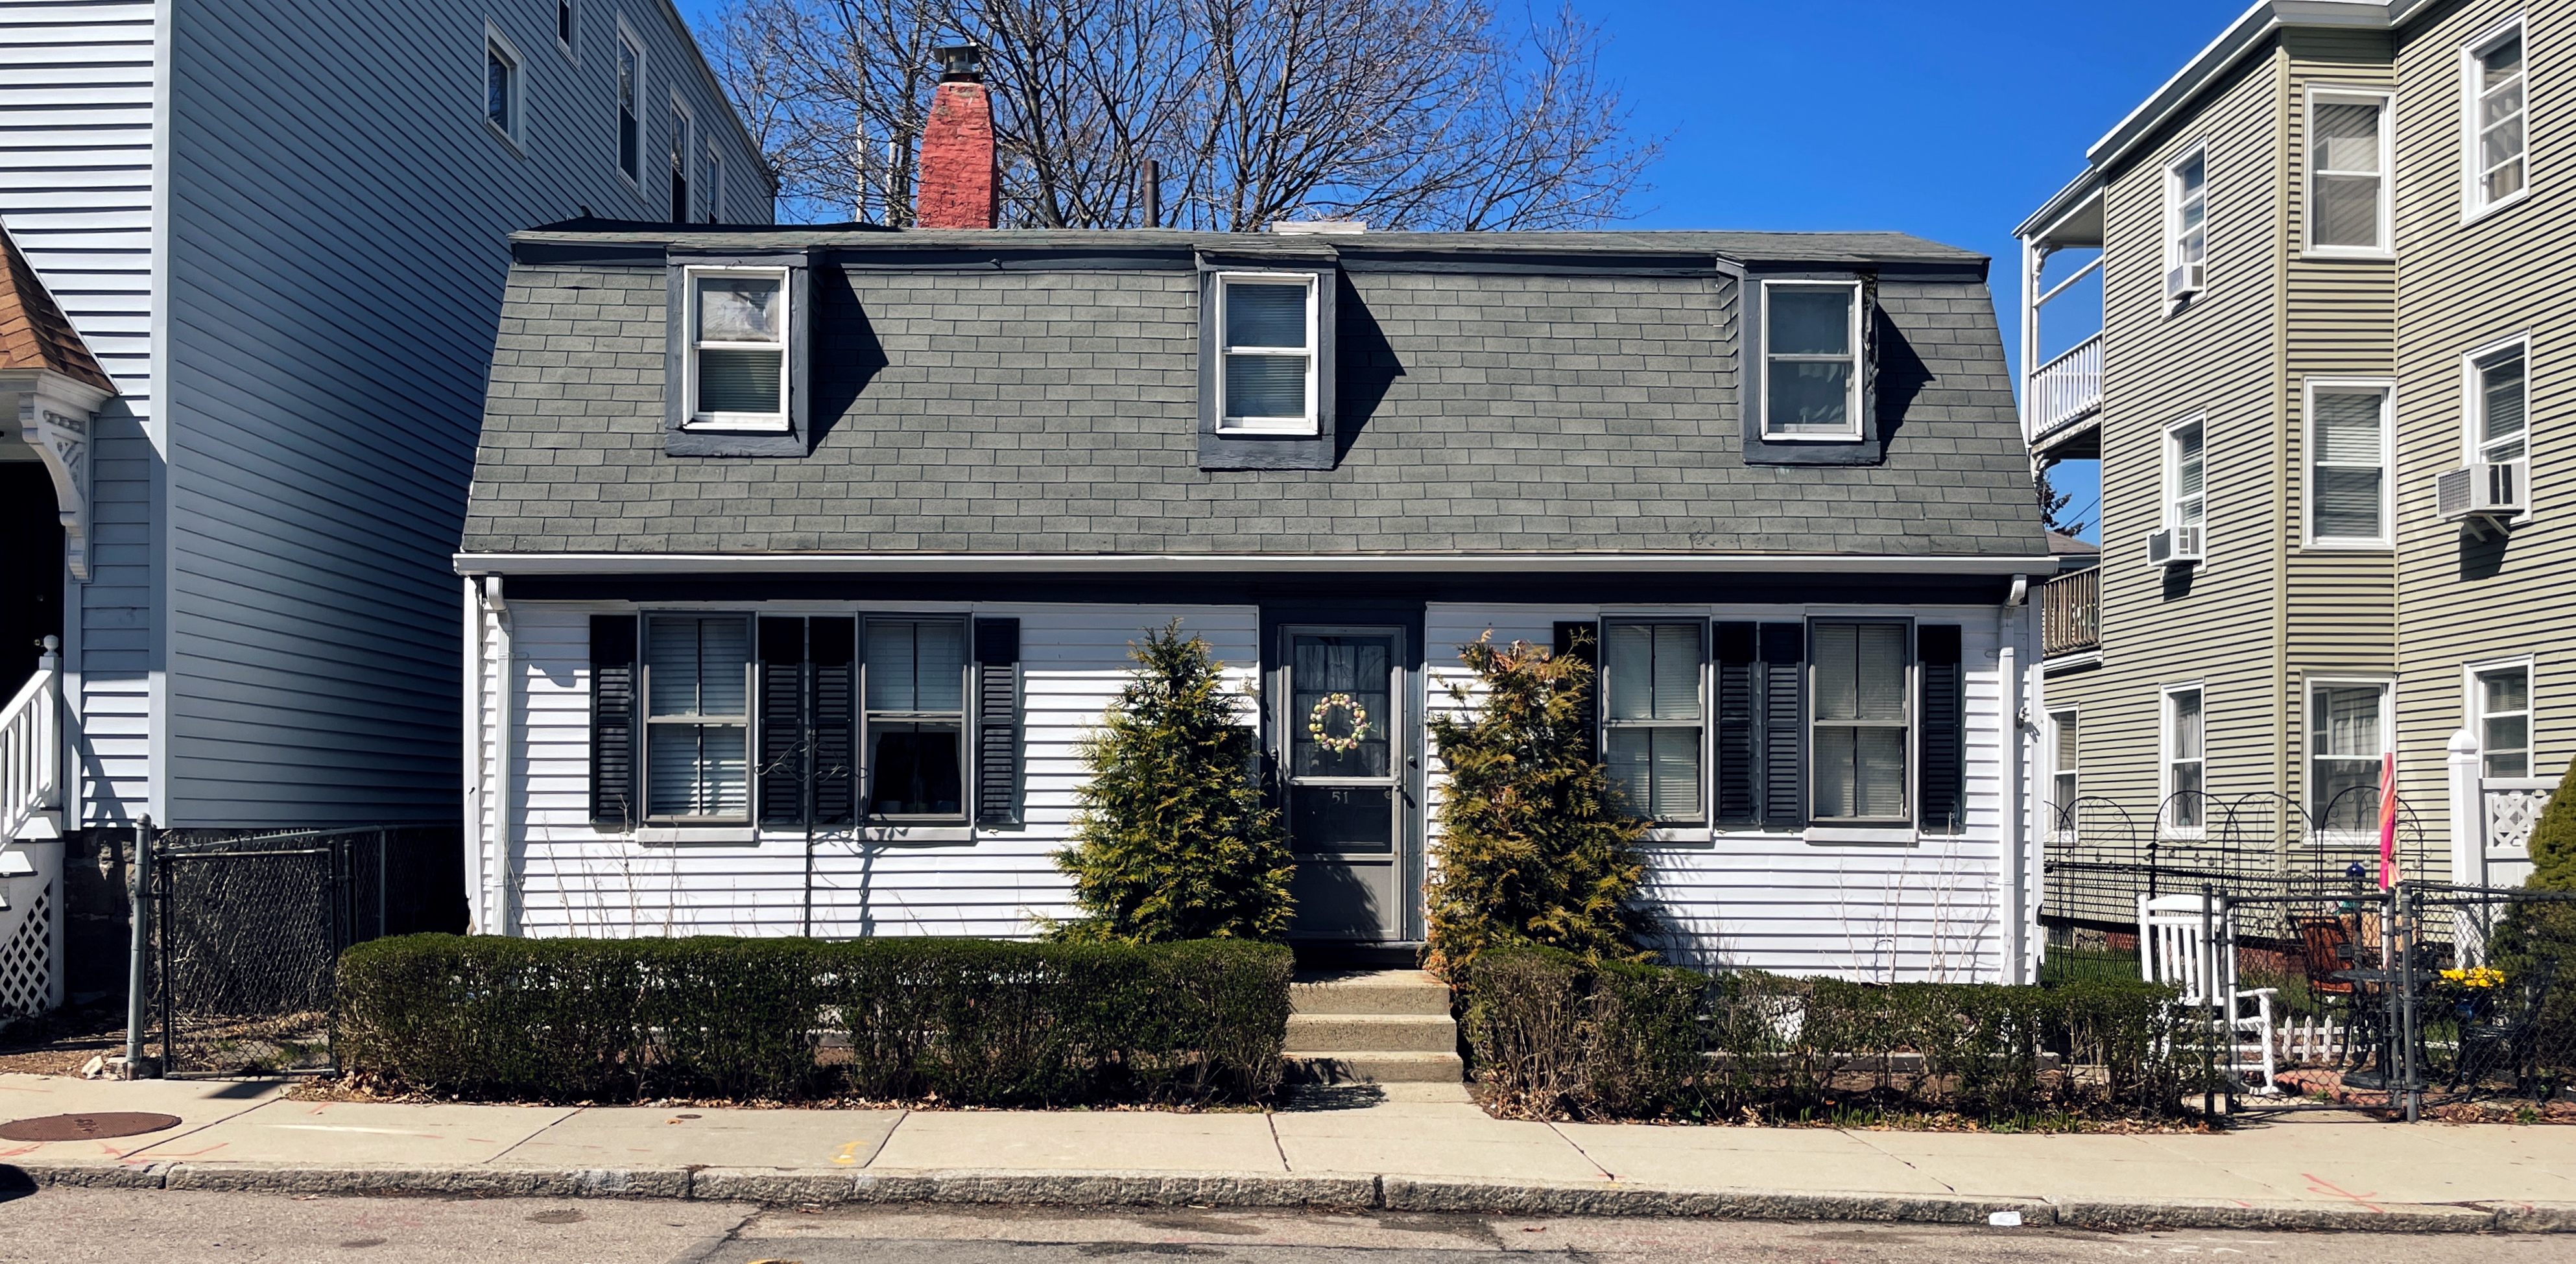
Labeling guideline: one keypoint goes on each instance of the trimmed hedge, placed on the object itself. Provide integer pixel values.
(1551, 1035)
(974, 1022)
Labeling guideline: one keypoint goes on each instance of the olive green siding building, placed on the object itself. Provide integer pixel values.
(2333, 269)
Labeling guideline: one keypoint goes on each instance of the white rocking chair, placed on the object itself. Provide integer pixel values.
(2174, 950)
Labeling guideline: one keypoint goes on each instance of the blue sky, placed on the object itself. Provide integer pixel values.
(1948, 120)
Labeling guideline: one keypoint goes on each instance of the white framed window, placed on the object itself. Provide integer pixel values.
(504, 88)
(1862, 718)
(630, 107)
(2065, 774)
(697, 720)
(740, 331)
(2348, 734)
(2348, 162)
(2185, 783)
(682, 152)
(711, 180)
(2186, 222)
(565, 19)
(1652, 715)
(915, 689)
(2499, 707)
(1266, 369)
(2186, 510)
(2348, 459)
(2496, 410)
(1811, 360)
(2494, 147)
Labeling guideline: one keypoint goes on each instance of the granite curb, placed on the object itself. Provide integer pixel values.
(1272, 1190)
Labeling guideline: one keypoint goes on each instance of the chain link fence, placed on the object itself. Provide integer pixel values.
(247, 931)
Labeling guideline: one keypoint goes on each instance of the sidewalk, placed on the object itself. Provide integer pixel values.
(1417, 1148)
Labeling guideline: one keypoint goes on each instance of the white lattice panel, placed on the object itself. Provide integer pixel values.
(26, 958)
(2511, 814)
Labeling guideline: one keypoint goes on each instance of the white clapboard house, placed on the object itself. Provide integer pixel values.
(801, 560)
(279, 232)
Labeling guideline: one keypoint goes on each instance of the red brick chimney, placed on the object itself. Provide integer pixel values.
(960, 184)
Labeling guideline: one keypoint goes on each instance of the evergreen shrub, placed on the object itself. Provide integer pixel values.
(1550, 1035)
(1174, 840)
(1535, 847)
(973, 1022)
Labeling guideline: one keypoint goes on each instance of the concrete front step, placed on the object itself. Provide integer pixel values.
(1356, 1067)
(1369, 992)
(1382, 1033)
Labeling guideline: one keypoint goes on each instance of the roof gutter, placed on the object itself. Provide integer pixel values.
(1232, 563)
(2250, 30)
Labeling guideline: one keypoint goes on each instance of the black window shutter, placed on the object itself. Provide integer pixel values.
(1582, 642)
(1779, 684)
(784, 758)
(1739, 798)
(1944, 733)
(832, 647)
(613, 792)
(997, 721)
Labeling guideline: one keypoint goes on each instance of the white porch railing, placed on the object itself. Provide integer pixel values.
(2507, 810)
(31, 762)
(2065, 390)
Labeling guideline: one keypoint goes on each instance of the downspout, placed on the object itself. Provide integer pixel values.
(474, 737)
(2281, 468)
(2016, 723)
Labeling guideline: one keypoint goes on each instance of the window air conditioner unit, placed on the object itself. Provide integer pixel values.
(2174, 546)
(2185, 279)
(2480, 489)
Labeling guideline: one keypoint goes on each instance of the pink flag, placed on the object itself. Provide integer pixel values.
(2388, 820)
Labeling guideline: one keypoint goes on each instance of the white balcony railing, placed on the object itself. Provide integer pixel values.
(31, 765)
(2065, 390)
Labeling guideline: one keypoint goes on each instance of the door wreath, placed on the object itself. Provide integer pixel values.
(1323, 736)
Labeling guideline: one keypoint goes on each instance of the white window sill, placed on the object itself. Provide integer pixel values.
(1864, 835)
(512, 142)
(1768, 437)
(2473, 215)
(1677, 836)
(915, 834)
(738, 425)
(1284, 430)
(2348, 252)
(695, 834)
(2347, 546)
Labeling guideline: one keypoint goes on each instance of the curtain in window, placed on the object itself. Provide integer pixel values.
(2349, 476)
(2348, 747)
(2348, 178)
(2183, 781)
(2504, 722)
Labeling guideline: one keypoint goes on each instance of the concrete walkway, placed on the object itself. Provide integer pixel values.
(1404, 1147)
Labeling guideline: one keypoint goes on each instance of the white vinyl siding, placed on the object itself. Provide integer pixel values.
(2348, 465)
(1811, 360)
(2348, 161)
(1266, 369)
(2494, 145)
(1653, 735)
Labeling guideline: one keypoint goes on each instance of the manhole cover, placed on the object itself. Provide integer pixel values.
(108, 1123)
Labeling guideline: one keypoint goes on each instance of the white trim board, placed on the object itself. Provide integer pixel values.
(1284, 563)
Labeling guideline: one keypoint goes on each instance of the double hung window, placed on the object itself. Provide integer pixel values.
(2348, 172)
(1267, 368)
(2187, 486)
(2186, 222)
(916, 717)
(2064, 781)
(2348, 465)
(2503, 700)
(2495, 146)
(737, 360)
(2348, 736)
(1811, 360)
(1653, 730)
(630, 107)
(697, 678)
(2499, 403)
(1863, 720)
(2186, 763)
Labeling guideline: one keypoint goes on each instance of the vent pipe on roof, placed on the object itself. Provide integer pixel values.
(961, 184)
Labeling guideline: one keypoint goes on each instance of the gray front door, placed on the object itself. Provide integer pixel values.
(1342, 747)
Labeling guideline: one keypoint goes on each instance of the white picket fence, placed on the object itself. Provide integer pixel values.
(2312, 1040)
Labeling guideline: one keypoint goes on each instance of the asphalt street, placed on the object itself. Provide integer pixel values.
(75, 1226)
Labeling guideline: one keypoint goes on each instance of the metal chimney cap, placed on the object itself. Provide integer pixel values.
(960, 63)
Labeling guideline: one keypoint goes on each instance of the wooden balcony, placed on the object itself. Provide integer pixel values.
(2065, 391)
(2070, 613)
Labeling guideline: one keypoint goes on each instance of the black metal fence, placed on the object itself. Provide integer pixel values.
(248, 931)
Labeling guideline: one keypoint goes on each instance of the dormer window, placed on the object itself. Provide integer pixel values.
(1267, 375)
(1811, 349)
(738, 368)
(738, 354)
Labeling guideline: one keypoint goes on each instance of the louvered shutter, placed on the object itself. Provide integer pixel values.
(614, 796)
(784, 752)
(1779, 689)
(1739, 797)
(831, 650)
(1943, 719)
(1582, 642)
(997, 721)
